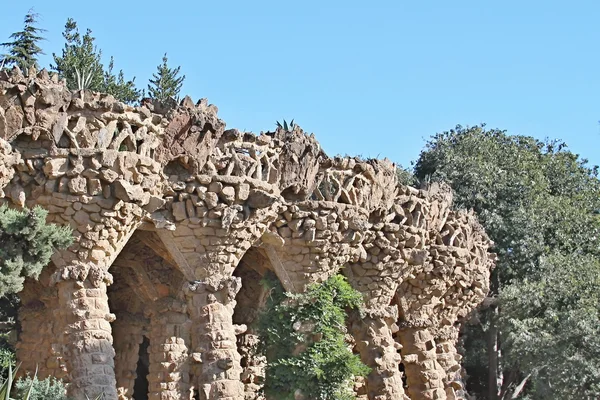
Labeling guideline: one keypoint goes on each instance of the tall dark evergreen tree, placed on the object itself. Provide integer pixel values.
(80, 64)
(166, 83)
(23, 50)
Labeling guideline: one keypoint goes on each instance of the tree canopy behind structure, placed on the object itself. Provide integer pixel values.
(539, 203)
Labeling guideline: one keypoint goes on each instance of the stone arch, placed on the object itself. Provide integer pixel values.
(151, 316)
(251, 298)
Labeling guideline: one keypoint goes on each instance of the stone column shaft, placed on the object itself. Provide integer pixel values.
(87, 339)
(129, 336)
(217, 370)
(449, 359)
(169, 377)
(379, 350)
(424, 375)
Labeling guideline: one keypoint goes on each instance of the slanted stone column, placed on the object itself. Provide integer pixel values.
(423, 372)
(87, 340)
(128, 329)
(449, 359)
(169, 377)
(378, 349)
(217, 369)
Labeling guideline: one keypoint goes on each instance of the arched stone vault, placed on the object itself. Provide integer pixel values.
(175, 219)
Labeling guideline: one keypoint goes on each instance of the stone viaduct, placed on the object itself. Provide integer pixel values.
(175, 221)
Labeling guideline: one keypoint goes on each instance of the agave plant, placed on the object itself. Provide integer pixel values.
(285, 125)
(7, 386)
(8, 383)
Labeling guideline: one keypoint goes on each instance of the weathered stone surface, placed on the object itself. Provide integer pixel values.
(78, 185)
(176, 219)
(125, 191)
(56, 167)
(260, 199)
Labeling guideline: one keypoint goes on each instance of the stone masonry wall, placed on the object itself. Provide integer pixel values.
(167, 207)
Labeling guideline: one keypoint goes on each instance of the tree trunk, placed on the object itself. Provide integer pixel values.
(493, 350)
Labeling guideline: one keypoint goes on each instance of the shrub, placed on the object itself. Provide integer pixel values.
(26, 245)
(45, 389)
(303, 340)
(7, 360)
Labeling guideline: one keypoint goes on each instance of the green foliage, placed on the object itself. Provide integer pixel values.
(166, 83)
(7, 361)
(405, 176)
(552, 321)
(539, 203)
(7, 386)
(29, 388)
(531, 196)
(117, 86)
(24, 50)
(49, 388)
(80, 64)
(285, 126)
(302, 337)
(26, 245)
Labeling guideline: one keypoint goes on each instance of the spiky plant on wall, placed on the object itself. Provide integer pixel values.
(285, 126)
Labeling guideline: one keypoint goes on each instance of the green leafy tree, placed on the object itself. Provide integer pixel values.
(80, 64)
(302, 337)
(551, 322)
(166, 83)
(26, 245)
(23, 50)
(539, 204)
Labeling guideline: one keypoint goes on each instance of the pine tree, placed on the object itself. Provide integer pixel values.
(118, 86)
(23, 51)
(80, 62)
(81, 66)
(166, 83)
(26, 245)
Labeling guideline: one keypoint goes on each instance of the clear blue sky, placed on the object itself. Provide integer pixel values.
(368, 78)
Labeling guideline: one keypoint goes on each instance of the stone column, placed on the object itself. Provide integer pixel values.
(217, 367)
(129, 333)
(379, 350)
(87, 339)
(449, 359)
(35, 346)
(169, 377)
(423, 373)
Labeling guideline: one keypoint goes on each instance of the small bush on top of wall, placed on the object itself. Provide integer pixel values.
(303, 339)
